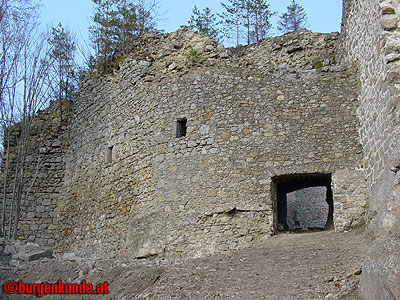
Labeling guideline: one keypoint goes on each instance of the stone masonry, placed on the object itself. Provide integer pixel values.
(371, 41)
(44, 175)
(133, 188)
(135, 184)
(307, 208)
(179, 150)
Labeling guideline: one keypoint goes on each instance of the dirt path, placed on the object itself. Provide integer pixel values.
(319, 265)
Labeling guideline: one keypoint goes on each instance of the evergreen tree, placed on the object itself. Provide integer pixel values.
(104, 31)
(63, 48)
(116, 22)
(127, 23)
(204, 22)
(134, 19)
(147, 16)
(256, 19)
(231, 20)
(294, 19)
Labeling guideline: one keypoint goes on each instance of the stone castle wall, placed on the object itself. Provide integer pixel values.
(132, 188)
(371, 41)
(43, 175)
(117, 182)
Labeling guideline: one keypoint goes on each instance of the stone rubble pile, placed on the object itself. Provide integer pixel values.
(13, 251)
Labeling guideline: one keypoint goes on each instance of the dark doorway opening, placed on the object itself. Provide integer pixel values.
(302, 202)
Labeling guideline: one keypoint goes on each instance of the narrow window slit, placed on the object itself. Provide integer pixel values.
(181, 127)
(109, 155)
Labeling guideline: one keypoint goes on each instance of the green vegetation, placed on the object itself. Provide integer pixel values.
(247, 20)
(204, 22)
(193, 57)
(317, 65)
(116, 23)
(64, 69)
(118, 61)
(293, 19)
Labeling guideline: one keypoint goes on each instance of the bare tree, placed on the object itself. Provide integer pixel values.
(231, 19)
(25, 65)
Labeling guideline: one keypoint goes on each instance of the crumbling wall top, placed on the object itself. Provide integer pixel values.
(157, 55)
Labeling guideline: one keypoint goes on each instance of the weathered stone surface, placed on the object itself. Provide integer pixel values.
(307, 208)
(375, 48)
(350, 198)
(390, 22)
(381, 272)
(9, 250)
(196, 194)
(36, 254)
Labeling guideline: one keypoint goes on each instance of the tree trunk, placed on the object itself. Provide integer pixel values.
(4, 204)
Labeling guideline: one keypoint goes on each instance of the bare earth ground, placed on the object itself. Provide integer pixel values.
(313, 265)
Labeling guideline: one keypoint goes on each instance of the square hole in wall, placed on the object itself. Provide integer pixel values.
(302, 202)
(181, 127)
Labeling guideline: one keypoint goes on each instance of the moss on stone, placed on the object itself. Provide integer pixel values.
(317, 65)
(118, 61)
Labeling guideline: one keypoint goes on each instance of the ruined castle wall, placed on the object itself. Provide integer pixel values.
(47, 144)
(133, 189)
(371, 41)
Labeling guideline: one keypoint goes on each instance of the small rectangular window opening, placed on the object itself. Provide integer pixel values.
(109, 155)
(181, 126)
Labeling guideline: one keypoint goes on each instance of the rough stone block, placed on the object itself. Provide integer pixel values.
(387, 8)
(40, 209)
(390, 22)
(30, 215)
(46, 202)
(9, 250)
(41, 241)
(36, 254)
